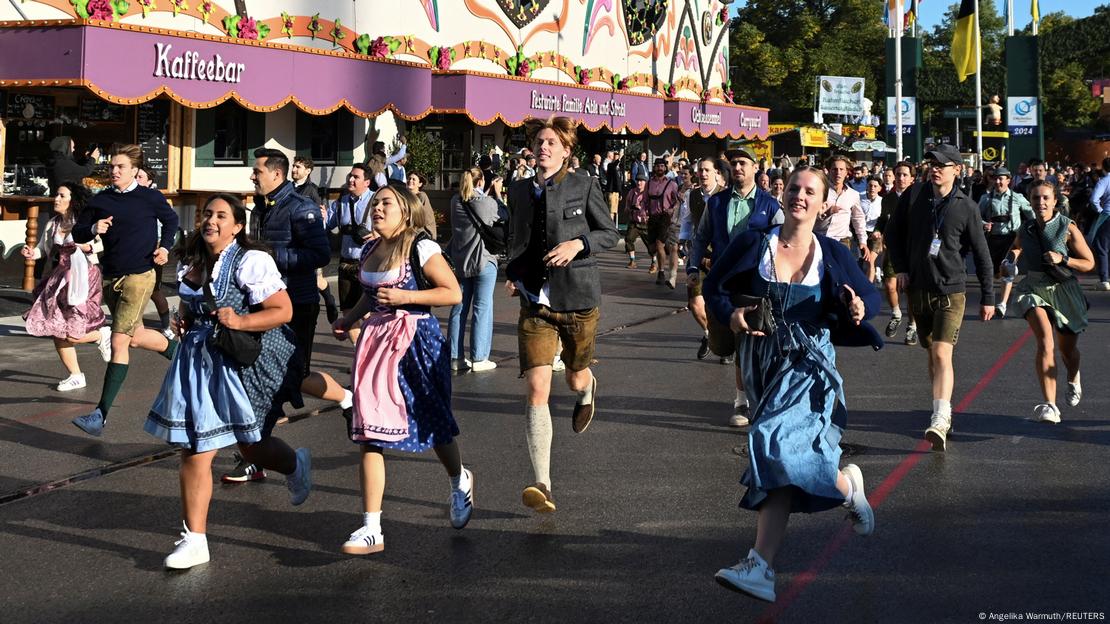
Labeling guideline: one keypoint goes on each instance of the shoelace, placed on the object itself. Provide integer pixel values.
(363, 534)
(184, 539)
(853, 513)
(746, 565)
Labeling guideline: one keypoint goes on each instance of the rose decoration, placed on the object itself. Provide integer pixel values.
(147, 6)
(100, 10)
(287, 24)
(314, 25)
(337, 31)
(179, 6)
(248, 29)
(205, 11)
(380, 48)
(672, 91)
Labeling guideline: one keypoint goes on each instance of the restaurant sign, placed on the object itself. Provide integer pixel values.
(189, 65)
(564, 103)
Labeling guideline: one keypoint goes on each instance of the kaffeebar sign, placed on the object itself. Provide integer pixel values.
(189, 65)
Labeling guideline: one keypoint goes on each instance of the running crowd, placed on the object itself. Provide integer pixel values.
(782, 265)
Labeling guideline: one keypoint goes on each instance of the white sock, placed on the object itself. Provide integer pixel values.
(741, 398)
(200, 538)
(348, 399)
(940, 406)
(585, 397)
(896, 313)
(851, 490)
(461, 482)
(373, 520)
(706, 333)
(913, 324)
(538, 436)
(1076, 380)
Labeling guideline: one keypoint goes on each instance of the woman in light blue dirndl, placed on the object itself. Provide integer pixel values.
(818, 296)
(210, 400)
(1055, 308)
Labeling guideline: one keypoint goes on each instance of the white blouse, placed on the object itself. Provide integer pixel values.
(816, 268)
(257, 274)
(425, 249)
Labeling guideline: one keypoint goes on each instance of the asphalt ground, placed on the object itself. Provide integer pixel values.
(1011, 520)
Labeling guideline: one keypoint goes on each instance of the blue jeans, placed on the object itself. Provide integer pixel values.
(476, 291)
(1100, 245)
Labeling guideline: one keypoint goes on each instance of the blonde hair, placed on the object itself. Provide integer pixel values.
(467, 182)
(564, 129)
(412, 222)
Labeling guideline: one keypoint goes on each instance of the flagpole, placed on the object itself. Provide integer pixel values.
(898, 80)
(1010, 18)
(978, 88)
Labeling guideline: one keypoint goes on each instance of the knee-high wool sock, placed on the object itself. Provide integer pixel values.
(538, 435)
(113, 381)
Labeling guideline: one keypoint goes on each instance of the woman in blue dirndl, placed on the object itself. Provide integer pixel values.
(401, 376)
(208, 399)
(818, 296)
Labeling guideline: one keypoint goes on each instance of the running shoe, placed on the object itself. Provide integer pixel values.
(460, 364)
(728, 359)
(76, 381)
(105, 343)
(300, 482)
(191, 550)
(739, 416)
(462, 502)
(859, 510)
(482, 366)
(91, 423)
(538, 497)
(937, 434)
(751, 576)
(892, 326)
(1103, 286)
(911, 335)
(653, 268)
(1075, 392)
(703, 348)
(632, 263)
(1047, 413)
(1000, 311)
(243, 471)
(558, 365)
(364, 541)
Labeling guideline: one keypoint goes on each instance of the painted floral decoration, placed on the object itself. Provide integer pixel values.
(722, 16)
(147, 6)
(205, 11)
(245, 27)
(582, 74)
(671, 91)
(314, 25)
(287, 24)
(729, 95)
(107, 10)
(380, 48)
(441, 57)
(337, 31)
(518, 65)
(179, 6)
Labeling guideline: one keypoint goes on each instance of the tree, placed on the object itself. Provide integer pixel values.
(778, 48)
(1067, 98)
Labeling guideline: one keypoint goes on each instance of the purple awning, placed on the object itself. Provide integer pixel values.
(720, 120)
(488, 97)
(130, 64)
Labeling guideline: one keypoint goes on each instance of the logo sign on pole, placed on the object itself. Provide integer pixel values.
(908, 110)
(1021, 115)
(839, 95)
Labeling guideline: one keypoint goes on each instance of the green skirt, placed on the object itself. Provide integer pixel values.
(1064, 301)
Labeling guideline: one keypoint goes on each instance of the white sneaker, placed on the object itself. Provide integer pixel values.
(105, 343)
(75, 381)
(1046, 413)
(739, 416)
(558, 365)
(192, 550)
(937, 433)
(300, 482)
(483, 365)
(859, 510)
(751, 576)
(1103, 286)
(462, 502)
(1000, 310)
(364, 541)
(1075, 392)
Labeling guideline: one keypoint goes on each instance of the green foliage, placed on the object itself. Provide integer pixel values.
(937, 85)
(424, 152)
(1067, 98)
(779, 47)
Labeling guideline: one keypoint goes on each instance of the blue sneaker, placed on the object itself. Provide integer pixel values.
(300, 482)
(91, 423)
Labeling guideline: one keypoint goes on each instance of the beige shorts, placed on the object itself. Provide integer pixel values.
(540, 330)
(126, 297)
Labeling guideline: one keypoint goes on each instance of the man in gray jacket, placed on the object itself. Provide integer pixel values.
(558, 222)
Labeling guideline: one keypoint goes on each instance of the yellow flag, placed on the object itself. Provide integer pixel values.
(965, 41)
(1036, 11)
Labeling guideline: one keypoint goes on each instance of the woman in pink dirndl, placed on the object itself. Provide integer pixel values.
(66, 303)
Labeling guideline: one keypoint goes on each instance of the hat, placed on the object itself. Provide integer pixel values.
(1002, 171)
(740, 152)
(641, 176)
(945, 154)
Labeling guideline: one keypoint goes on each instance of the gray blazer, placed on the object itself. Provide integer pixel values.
(467, 251)
(575, 208)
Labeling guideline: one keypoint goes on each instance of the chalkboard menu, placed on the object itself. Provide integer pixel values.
(95, 109)
(29, 106)
(153, 127)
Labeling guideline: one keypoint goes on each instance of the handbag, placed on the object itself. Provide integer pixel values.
(242, 347)
(762, 318)
(494, 236)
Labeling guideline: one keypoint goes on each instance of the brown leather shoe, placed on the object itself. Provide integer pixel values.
(538, 497)
(584, 414)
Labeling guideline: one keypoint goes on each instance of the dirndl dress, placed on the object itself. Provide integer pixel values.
(1064, 302)
(798, 397)
(422, 375)
(207, 400)
(61, 308)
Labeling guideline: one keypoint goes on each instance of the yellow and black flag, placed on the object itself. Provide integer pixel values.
(965, 41)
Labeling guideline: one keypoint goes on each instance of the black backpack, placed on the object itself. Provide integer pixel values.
(495, 236)
(422, 282)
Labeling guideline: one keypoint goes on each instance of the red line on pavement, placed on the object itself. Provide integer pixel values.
(888, 485)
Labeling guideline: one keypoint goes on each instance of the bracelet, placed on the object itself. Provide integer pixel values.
(1064, 260)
